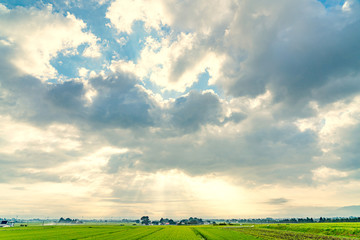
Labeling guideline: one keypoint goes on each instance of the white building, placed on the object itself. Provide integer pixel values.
(5, 223)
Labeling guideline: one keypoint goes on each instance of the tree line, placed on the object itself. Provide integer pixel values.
(145, 220)
(296, 220)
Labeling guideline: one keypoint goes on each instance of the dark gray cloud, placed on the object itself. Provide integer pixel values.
(32, 163)
(194, 110)
(22, 96)
(36, 158)
(299, 50)
(14, 176)
(235, 117)
(121, 161)
(68, 95)
(264, 152)
(338, 88)
(277, 201)
(120, 103)
(348, 150)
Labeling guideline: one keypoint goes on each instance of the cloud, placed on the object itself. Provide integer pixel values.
(39, 35)
(251, 151)
(174, 60)
(183, 16)
(303, 49)
(192, 133)
(31, 165)
(173, 64)
(68, 95)
(277, 201)
(199, 132)
(200, 16)
(299, 51)
(120, 102)
(122, 161)
(283, 118)
(346, 149)
(192, 111)
(326, 174)
(336, 125)
(116, 101)
(152, 13)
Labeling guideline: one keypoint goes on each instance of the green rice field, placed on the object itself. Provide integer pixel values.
(247, 232)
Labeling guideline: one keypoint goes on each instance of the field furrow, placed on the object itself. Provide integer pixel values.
(216, 233)
(279, 234)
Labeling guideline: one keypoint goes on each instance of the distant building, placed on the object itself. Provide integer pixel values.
(72, 221)
(5, 223)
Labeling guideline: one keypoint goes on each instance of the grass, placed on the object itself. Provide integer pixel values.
(351, 230)
(220, 233)
(329, 231)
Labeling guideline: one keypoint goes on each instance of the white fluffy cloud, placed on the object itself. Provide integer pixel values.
(123, 13)
(194, 16)
(39, 35)
(173, 65)
(175, 61)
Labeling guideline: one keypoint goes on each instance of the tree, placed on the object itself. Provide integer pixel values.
(145, 220)
(164, 221)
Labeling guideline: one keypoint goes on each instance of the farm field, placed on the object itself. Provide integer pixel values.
(246, 232)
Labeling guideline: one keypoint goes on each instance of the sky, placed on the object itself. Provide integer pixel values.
(179, 108)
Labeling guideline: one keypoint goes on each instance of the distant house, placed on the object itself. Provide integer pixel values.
(5, 223)
(69, 220)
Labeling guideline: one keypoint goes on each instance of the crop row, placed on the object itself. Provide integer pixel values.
(173, 233)
(216, 233)
(333, 229)
(282, 234)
